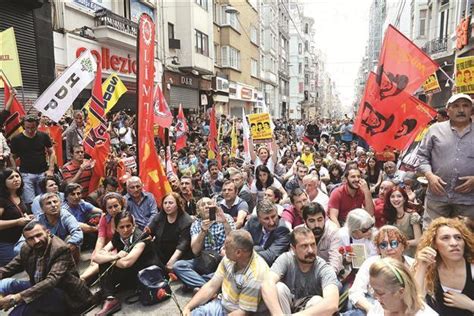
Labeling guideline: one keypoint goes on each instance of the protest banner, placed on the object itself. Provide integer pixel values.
(60, 95)
(464, 75)
(260, 127)
(431, 85)
(9, 61)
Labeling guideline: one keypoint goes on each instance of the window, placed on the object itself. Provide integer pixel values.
(423, 22)
(229, 19)
(202, 43)
(306, 28)
(300, 48)
(300, 68)
(306, 46)
(443, 23)
(171, 30)
(202, 4)
(253, 35)
(215, 11)
(254, 67)
(230, 57)
(217, 60)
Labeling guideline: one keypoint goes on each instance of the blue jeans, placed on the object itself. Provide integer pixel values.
(49, 303)
(31, 186)
(6, 253)
(213, 308)
(184, 270)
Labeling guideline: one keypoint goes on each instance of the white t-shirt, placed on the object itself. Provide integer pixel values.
(377, 310)
(261, 193)
(270, 164)
(322, 199)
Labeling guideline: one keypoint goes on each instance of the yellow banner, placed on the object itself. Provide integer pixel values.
(9, 61)
(112, 89)
(431, 85)
(260, 127)
(465, 75)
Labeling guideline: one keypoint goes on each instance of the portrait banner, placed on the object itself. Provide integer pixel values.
(464, 75)
(260, 127)
(9, 60)
(431, 85)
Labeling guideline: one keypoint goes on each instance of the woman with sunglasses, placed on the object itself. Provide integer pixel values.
(397, 213)
(396, 291)
(390, 243)
(444, 267)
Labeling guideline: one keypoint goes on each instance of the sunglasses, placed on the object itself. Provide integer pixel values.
(364, 230)
(393, 244)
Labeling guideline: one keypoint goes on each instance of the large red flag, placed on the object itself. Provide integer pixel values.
(163, 116)
(97, 141)
(150, 169)
(13, 122)
(393, 122)
(55, 132)
(402, 67)
(181, 129)
(213, 134)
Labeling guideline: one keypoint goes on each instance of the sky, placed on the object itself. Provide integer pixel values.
(342, 30)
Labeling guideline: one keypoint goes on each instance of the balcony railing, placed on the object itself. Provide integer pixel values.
(106, 17)
(437, 45)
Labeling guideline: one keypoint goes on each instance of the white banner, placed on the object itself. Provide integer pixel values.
(57, 99)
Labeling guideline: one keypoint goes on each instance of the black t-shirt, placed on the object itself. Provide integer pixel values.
(32, 151)
(148, 256)
(10, 212)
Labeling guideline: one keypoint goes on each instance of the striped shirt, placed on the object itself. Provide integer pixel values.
(241, 290)
(71, 168)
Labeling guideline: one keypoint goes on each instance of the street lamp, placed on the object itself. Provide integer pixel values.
(230, 9)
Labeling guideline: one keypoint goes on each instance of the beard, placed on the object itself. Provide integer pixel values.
(318, 232)
(356, 187)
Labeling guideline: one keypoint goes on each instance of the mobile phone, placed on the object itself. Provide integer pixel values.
(212, 213)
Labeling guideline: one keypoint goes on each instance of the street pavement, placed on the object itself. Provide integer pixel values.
(167, 307)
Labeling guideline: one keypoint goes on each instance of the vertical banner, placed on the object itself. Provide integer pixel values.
(163, 116)
(245, 136)
(60, 95)
(465, 75)
(260, 127)
(213, 135)
(150, 169)
(181, 129)
(13, 122)
(234, 142)
(9, 61)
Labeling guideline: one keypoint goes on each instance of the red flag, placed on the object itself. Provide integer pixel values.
(150, 169)
(213, 134)
(97, 141)
(181, 129)
(393, 122)
(403, 66)
(163, 116)
(13, 122)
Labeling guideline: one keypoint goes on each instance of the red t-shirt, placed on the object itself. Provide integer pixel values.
(341, 200)
(290, 216)
(378, 212)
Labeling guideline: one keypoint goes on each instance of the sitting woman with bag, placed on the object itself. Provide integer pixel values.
(128, 253)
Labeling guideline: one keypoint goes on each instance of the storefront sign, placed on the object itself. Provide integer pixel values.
(109, 60)
(181, 80)
(463, 32)
(246, 93)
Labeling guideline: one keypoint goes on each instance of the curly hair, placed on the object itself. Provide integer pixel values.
(428, 239)
(392, 232)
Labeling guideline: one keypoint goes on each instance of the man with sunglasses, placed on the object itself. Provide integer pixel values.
(390, 242)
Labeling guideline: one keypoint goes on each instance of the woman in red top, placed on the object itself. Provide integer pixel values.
(113, 203)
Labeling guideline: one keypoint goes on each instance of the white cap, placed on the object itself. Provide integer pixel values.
(458, 96)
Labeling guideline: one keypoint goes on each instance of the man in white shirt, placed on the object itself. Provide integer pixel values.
(312, 187)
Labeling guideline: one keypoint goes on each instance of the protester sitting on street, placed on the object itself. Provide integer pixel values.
(238, 177)
(292, 214)
(128, 253)
(262, 155)
(390, 243)
(353, 194)
(53, 288)
(47, 184)
(85, 213)
(109, 184)
(239, 277)
(359, 229)
(171, 231)
(444, 268)
(373, 174)
(396, 291)
(269, 234)
(233, 205)
(213, 177)
(325, 232)
(315, 194)
(79, 169)
(113, 204)
(398, 214)
(263, 180)
(187, 193)
(61, 223)
(297, 180)
(300, 281)
(141, 204)
(379, 203)
(13, 213)
(207, 240)
(335, 176)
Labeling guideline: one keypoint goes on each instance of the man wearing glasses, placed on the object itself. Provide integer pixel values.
(390, 242)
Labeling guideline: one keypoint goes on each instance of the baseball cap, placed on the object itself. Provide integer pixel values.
(458, 96)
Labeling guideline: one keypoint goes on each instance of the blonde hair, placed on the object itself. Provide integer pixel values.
(395, 275)
(428, 240)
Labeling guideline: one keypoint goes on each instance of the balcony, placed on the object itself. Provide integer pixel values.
(174, 43)
(115, 29)
(438, 45)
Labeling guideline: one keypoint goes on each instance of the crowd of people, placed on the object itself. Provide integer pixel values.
(312, 222)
